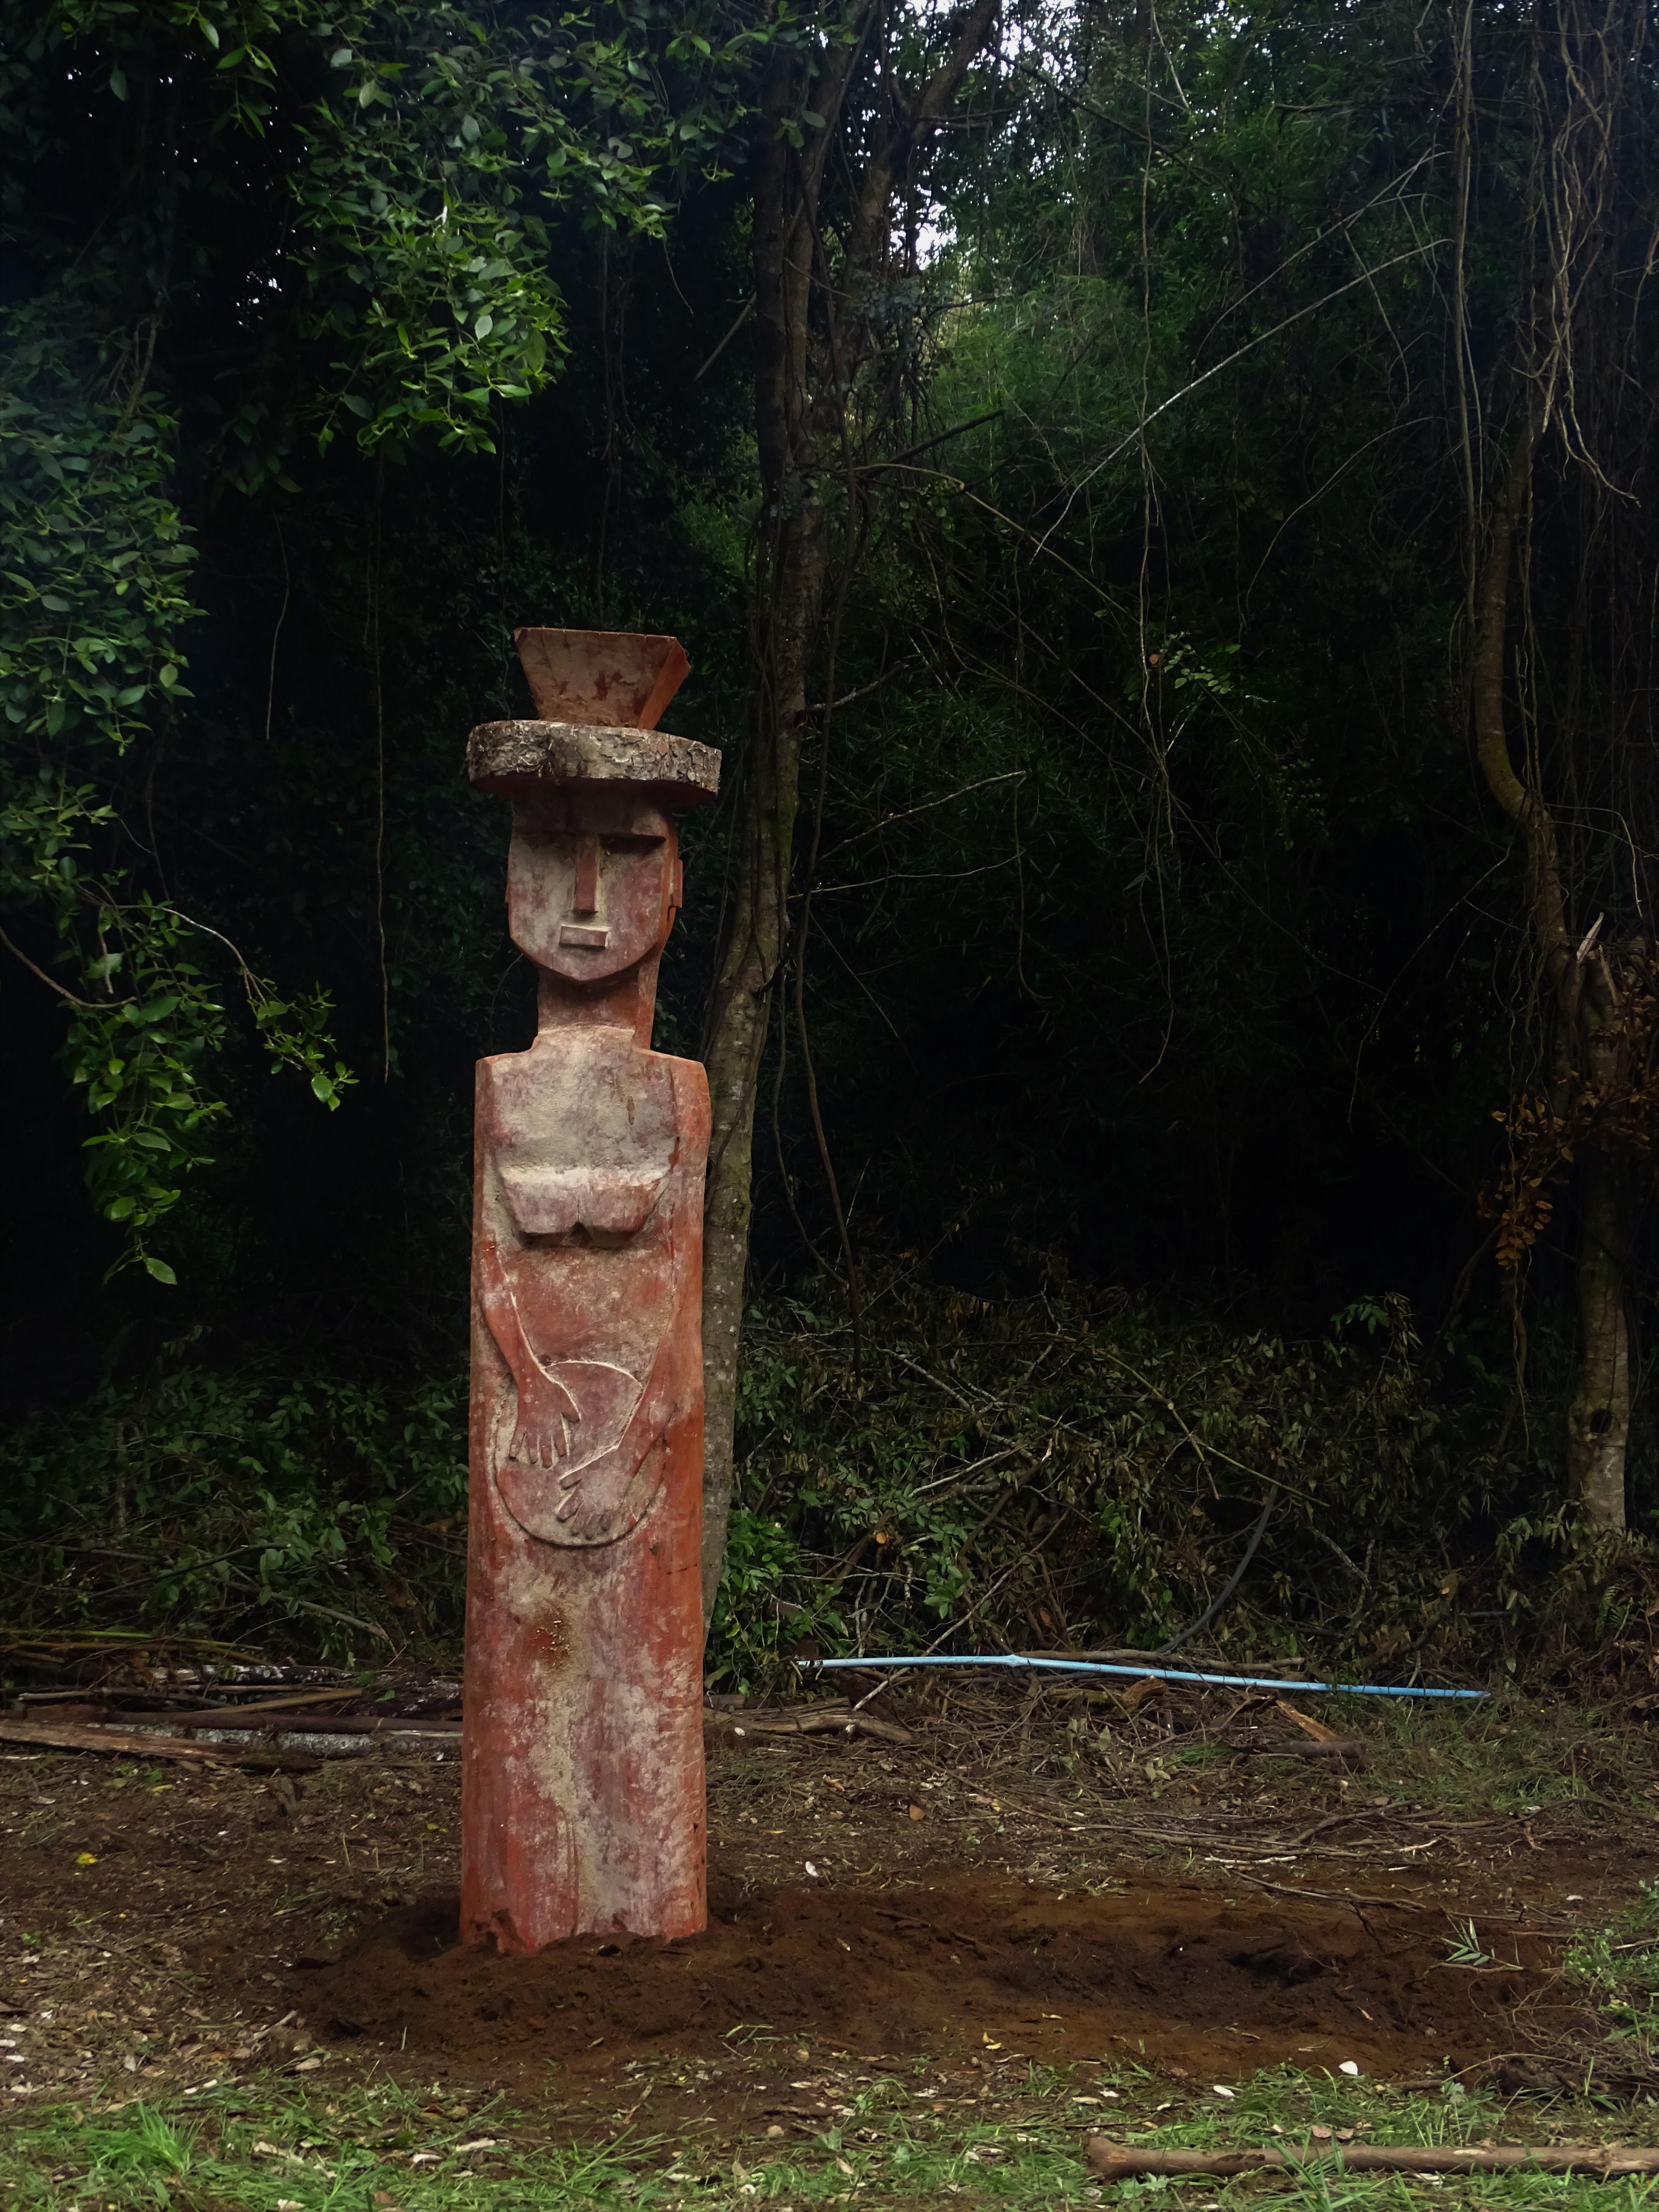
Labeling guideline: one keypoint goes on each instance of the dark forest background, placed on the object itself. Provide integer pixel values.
(1172, 1012)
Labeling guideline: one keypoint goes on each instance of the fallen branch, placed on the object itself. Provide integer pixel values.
(62, 1736)
(312, 1723)
(290, 1703)
(838, 1717)
(78, 1706)
(1115, 2161)
(1353, 1750)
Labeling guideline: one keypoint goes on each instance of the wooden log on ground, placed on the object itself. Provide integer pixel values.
(135, 1743)
(1115, 2161)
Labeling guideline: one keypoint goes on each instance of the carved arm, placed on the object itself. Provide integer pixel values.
(546, 1409)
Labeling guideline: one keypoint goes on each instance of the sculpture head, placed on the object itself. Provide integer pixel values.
(592, 880)
(594, 875)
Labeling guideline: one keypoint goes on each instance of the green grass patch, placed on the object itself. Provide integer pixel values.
(1619, 1968)
(274, 2149)
(1509, 1754)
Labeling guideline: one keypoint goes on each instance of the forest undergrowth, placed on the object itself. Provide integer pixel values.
(1079, 1468)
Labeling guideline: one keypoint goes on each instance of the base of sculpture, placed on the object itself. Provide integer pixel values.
(582, 1786)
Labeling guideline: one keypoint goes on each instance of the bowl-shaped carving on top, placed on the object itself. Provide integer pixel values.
(613, 679)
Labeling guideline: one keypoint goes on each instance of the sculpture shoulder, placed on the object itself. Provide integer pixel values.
(690, 1081)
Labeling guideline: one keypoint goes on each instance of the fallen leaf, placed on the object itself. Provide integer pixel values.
(986, 2039)
(1222, 2090)
(1349, 2066)
(85, 1858)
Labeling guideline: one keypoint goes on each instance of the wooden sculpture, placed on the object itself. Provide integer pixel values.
(582, 1795)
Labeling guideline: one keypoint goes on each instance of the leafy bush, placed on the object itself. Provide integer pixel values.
(1067, 1471)
(1077, 1469)
(312, 1515)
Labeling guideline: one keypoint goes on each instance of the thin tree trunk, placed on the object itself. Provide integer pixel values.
(788, 599)
(1598, 1429)
(759, 897)
(805, 371)
(1598, 1425)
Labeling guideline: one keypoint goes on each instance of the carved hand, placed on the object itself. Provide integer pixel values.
(546, 1412)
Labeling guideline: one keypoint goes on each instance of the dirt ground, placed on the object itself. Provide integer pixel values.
(1030, 1881)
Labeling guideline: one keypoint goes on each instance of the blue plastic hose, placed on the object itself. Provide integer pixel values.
(1140, 1673)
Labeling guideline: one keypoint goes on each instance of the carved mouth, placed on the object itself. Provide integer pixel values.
(576, 933)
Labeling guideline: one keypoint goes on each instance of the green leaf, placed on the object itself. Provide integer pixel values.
(118, 83)
(160, 1269)
(169, 675)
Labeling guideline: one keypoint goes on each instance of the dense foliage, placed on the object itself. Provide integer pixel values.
(1161, 1007)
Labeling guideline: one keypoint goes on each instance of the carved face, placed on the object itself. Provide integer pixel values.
(593, 880)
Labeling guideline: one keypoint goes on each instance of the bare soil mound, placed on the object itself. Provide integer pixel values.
(963, 1962)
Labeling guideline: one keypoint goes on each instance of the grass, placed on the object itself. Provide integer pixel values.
(1619, 1966)
(1510, 1754)
(272, 2147)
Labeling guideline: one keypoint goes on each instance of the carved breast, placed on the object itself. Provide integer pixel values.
(582, 1134)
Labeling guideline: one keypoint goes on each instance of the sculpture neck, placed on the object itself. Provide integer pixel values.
(627, 1001)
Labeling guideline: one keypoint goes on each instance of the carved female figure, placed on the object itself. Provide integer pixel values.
(582, 1806)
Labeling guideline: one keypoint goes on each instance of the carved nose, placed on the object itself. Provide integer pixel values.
(585, 897)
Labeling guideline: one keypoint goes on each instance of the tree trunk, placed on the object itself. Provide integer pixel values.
(1578, 997)
(759, 896)
(788, 599)
(813, 336)
(1598, 1425)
